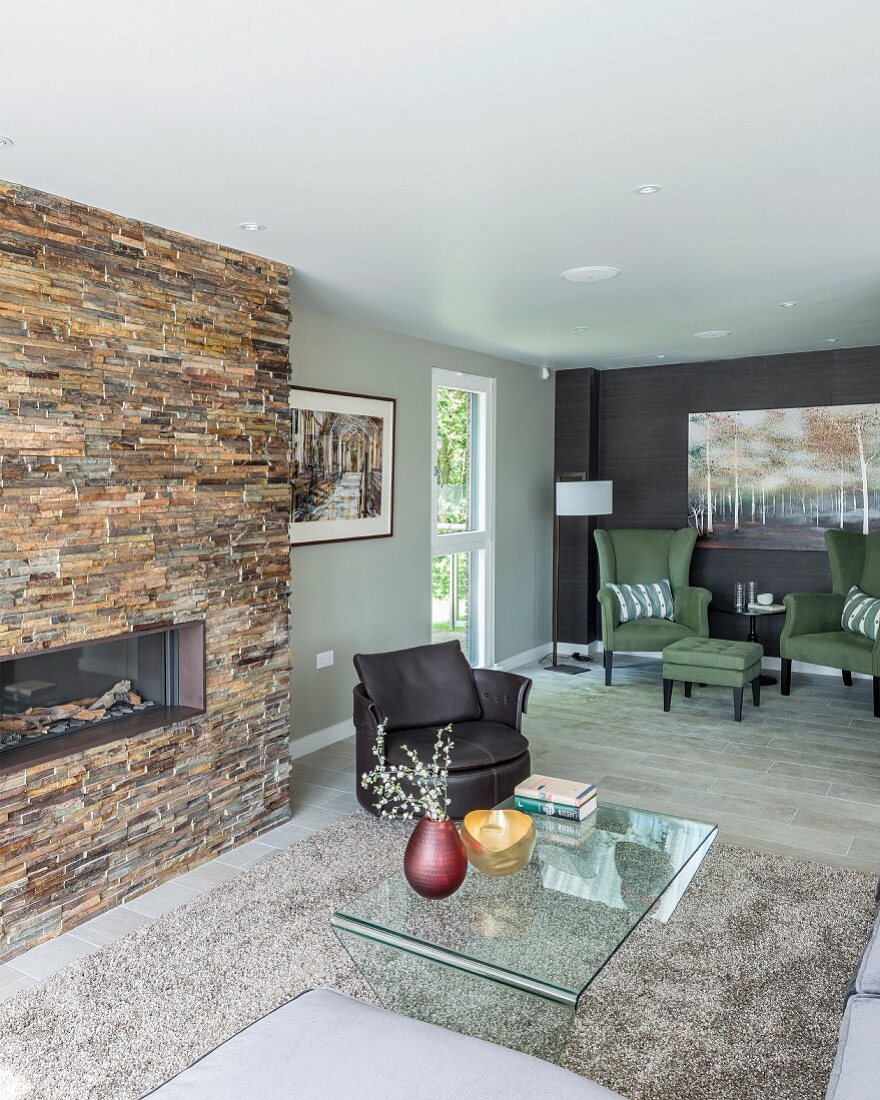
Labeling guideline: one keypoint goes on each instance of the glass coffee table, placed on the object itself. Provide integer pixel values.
(506, 959)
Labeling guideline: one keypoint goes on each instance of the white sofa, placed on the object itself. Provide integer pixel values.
(856, 1072)
(324, 1045)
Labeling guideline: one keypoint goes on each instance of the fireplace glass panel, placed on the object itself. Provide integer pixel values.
(47, 695)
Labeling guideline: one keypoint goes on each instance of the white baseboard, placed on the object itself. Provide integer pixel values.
(590, 647)
(527, 657)
(302, 746)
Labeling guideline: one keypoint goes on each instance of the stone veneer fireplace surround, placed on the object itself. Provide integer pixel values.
(144, 484)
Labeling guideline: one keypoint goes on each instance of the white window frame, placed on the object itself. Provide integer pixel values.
(483, 537)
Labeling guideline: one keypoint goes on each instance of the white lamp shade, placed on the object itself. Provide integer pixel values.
(583, 498)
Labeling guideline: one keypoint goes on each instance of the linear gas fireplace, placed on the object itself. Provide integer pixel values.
(63, 700)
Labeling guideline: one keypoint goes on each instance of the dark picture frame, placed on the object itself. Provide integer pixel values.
(342, 466)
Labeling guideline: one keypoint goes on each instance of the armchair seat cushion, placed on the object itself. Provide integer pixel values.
(475, 744)
(834, 649)
(644, 635)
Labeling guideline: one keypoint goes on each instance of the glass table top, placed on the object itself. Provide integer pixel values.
(550, 928)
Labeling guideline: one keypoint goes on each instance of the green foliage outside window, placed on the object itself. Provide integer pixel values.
(453, 457)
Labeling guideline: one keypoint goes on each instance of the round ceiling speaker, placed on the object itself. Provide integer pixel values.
(595, 274)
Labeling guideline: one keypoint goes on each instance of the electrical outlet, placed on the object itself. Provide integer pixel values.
(325, 659)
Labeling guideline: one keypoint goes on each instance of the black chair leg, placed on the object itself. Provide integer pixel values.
(687, 689)
(847, 678)
(876, 680)
(756, 691)
(609, 665)
(667, 694)
(738, 704)
(785, 686)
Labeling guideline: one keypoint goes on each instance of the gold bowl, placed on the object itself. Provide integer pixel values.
(498, 842)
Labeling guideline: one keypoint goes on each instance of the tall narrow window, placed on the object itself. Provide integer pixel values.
(462, 594)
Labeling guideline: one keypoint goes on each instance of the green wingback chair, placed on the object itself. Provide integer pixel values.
(637, 557)
(812, 630)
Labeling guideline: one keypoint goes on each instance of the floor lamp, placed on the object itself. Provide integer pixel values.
(574, 498)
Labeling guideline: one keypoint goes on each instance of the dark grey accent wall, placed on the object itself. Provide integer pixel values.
(577, 452)
(640, 417)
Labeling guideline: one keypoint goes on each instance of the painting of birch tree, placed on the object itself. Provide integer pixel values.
(775, 479)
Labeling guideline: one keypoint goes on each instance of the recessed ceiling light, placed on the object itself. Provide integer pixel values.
(593, 274)
(581, 328)
(712, 333)
(659, 356)
(833, 340)
(5, 141)
(648, 189)
(251, 227)
(788, 305)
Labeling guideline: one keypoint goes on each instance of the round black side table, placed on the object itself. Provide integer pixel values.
(753, 615)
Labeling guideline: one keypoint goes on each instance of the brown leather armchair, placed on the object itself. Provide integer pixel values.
(422, 689)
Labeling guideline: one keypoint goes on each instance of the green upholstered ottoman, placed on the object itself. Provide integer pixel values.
(713, 661)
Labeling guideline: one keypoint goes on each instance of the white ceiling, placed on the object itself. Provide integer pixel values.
(432, 167)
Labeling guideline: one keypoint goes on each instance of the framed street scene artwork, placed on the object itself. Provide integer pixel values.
(342, 477)
(777, 479)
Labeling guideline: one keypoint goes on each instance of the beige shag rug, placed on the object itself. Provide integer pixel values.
(737, 998)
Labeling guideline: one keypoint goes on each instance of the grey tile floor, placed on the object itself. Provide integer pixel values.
(798, 776)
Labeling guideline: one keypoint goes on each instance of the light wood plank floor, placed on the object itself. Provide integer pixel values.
(798, 776)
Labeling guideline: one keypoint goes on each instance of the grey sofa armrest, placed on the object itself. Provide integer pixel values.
(503, 696)
(857, 1065)
(323, 1045)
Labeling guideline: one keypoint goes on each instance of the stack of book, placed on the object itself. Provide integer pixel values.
(562, 798)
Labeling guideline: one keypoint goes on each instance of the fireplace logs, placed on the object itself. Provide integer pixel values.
(36, 722)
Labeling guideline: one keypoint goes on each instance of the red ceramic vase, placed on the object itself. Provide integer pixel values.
(435, 861)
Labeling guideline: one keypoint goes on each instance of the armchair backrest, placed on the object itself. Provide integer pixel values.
(429, 685)
(854, 559)
(638, 556)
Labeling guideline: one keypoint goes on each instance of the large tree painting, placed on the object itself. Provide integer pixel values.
(775, 479)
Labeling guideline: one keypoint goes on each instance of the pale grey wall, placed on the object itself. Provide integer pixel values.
(375, 594)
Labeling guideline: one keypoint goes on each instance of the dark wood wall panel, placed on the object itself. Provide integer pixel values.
(640, 422)
(576, 451)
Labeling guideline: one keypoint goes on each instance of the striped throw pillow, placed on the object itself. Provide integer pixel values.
(644, 601)
(861, 614)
